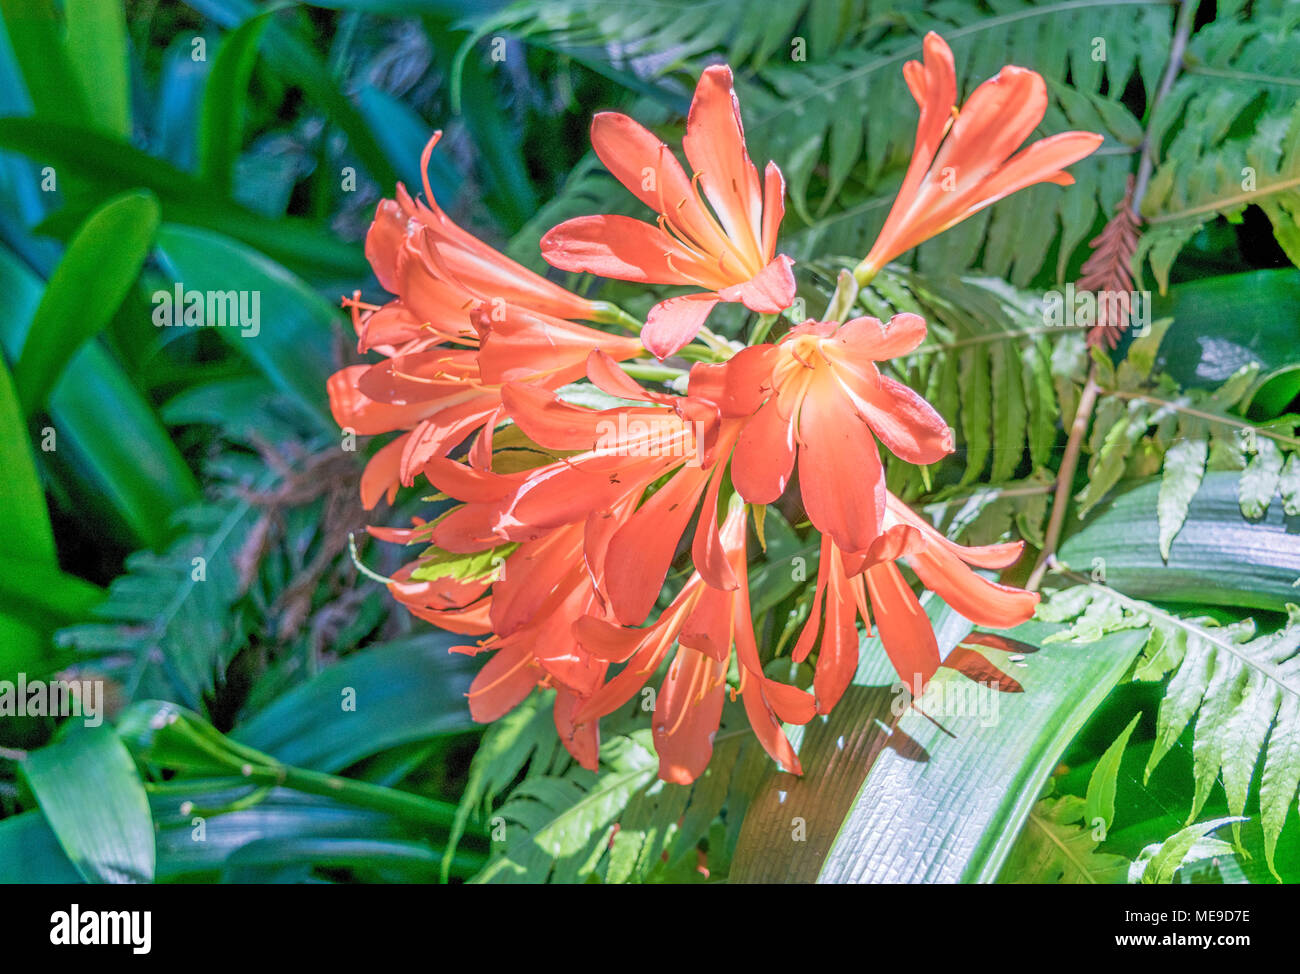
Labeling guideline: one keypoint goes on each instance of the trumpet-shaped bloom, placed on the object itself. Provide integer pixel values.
(869, 585)
(611, 457)
(963, 161)
(825, 402)
(703, 623)
(730, 251)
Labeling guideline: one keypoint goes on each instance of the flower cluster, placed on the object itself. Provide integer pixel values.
(568, 523)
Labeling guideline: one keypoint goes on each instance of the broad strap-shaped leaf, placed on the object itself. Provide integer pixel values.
(1219, 557)
(890, 794)
(109, 839)
(390, 694)
(289, 333)
(97, 270)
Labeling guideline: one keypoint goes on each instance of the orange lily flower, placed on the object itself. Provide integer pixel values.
(963, 161)
(732, 256)
(704, 623)
(870, 584)
(825, 398)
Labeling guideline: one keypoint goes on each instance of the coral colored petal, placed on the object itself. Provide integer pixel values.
(650, 171)
(840, 477)
(872, 339)
(764, 457)
(606, 641)
(550, 421)
(707, 550)
(837, 659)
(896, 542)
(381, 476)
(673, 323)
(502, 684)
(708, 628)
(687, 712)
(770, 291)
(982, 601)
(1038, 163)
(773, 207)
(605, 374)
(715, 146)
(766, 725)
(580, 740)
(904, 627)
(906, 423)
(617, 247)
(640, 553)
(739, 385)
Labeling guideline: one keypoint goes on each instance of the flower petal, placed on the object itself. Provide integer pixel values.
(617, 247)
(764, 457)
(904, 627)
(840, 477)
(770, 291)
(673, 323)
(715, 146)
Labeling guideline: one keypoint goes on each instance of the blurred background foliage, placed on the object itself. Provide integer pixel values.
(179, 512)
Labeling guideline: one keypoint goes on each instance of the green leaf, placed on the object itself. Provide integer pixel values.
(1099, 803)
(25, 530)
(1160, 863)
(1218, 557)
(1179, 480)
(53, 84)
(84, 292)
(1242, 690)
(109, 839)
(44, 596)
(559, 827)
(30, 852)
(108, 432)
(1058, 846)
(113, 167)
(872, 770)
(292, 340)
(97, 52)
(221, 121)
(295, 60)
(408, 690)
(462, 567)
(1259, 481)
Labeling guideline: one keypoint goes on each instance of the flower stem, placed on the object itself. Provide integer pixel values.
(607, 313)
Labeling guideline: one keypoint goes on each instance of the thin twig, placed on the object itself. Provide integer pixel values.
(1065, 477)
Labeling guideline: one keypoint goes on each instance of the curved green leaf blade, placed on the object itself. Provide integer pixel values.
(110, 839)
(84, 292)
(888, 798)
(221, 123)
(1219, 557)
(387, 695)
(292, 340)
(104, 425)
(97, 52)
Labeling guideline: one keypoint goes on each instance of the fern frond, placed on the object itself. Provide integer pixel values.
(1058, 846)
(1243, 690)
(169, 622)
(1235, 127)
